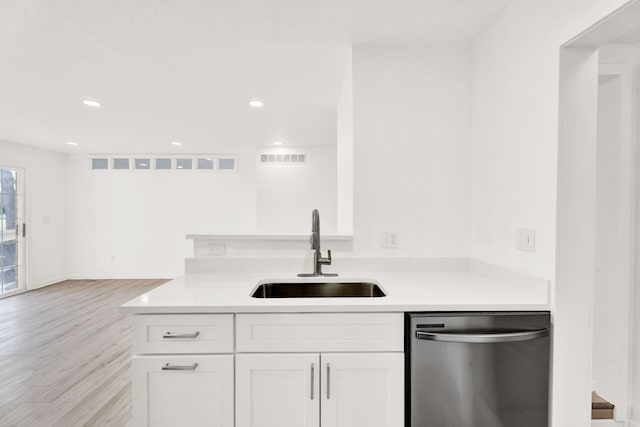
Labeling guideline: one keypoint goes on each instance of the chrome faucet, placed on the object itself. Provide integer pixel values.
(318, 260)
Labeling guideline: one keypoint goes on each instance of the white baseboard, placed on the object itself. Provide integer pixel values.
(612, 423)
(136, 276)
(47, 283)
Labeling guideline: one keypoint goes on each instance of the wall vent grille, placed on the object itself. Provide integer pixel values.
(282, 158)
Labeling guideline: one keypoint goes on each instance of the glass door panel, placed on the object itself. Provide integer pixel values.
(11, 230)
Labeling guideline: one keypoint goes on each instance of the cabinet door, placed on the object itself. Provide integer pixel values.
(365, 389)
(183, 391)
(277, 390)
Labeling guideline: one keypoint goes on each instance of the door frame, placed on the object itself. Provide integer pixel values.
(22, 247)
(575, 225)
(626, 233)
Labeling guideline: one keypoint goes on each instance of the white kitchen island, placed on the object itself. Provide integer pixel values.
(207, 353)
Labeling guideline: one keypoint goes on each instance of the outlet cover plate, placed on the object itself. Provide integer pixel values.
(390, 239)
(216, 249)
(526, 239)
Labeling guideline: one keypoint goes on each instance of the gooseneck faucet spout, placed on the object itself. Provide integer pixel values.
(315, 230)
(318, 259)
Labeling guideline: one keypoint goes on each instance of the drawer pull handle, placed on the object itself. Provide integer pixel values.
(168, 367)
(170, 335)
(328, 382)
(313, 368)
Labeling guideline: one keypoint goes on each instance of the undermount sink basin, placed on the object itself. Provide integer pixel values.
(318, 289)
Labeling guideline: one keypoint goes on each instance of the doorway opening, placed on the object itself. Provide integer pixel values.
(596, 259)
(614, 232)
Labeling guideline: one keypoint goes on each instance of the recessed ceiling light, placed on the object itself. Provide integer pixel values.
(91, 103)
(256, 103)
(176, 143)
(277, 142)
(72, 143)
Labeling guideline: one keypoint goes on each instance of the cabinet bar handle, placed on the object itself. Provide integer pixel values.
(313, 368)
(170, 335)
(168, 367)
(328, 382)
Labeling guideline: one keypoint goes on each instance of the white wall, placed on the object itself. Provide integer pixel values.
(411, 149)
(515, 127)
(286, 194)
(635, 356)
(133, 223)
(514, 169)
(46, 199)
(344, 127)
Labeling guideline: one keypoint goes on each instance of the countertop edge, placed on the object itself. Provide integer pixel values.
(330, 309)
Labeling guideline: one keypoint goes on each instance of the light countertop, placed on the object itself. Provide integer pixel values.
(418, 291)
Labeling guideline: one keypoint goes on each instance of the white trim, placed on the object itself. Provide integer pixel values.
(12, 293)
(608, 423)
(33, 288)
(573, 293)
(614, 25)
(120, 277)
(22, 241)
(626, 234)
(574, 282)
(48, 283)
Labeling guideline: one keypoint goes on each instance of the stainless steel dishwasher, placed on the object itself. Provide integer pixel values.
(477, 369)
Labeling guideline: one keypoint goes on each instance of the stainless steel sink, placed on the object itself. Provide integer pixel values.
(318, 290)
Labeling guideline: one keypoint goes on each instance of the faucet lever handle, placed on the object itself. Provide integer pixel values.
(329, 256)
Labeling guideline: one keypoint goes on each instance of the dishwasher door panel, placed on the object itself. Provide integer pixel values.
(496, 384)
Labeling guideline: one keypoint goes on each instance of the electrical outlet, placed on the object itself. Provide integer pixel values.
(389, 239)
(216, 249)
(526, 239)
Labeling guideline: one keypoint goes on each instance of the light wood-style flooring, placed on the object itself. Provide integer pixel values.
(65, 354)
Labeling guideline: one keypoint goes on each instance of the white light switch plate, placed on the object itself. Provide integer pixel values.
(526, 239)
(390, 239)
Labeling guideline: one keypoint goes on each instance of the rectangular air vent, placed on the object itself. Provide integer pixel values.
(282, 158)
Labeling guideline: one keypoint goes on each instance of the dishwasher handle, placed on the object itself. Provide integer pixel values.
(483, 338)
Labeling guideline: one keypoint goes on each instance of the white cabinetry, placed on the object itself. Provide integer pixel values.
(326, 388)
(175, 391)
(284, 370)
(362, 389)
(178, 380)
(277, 390)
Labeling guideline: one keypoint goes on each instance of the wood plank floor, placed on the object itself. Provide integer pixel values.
(65, 354)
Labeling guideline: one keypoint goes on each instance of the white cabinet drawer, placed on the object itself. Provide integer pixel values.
(182, 333)
(188, 390)
(319, 332)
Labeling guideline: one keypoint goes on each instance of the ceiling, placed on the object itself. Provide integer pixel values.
(185, 70)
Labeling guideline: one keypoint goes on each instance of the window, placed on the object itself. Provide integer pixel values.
(205, 163)
(142, 163)
(163, 163)
(226, 164)
(184, 164)
(121, 163)
(100, 163)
